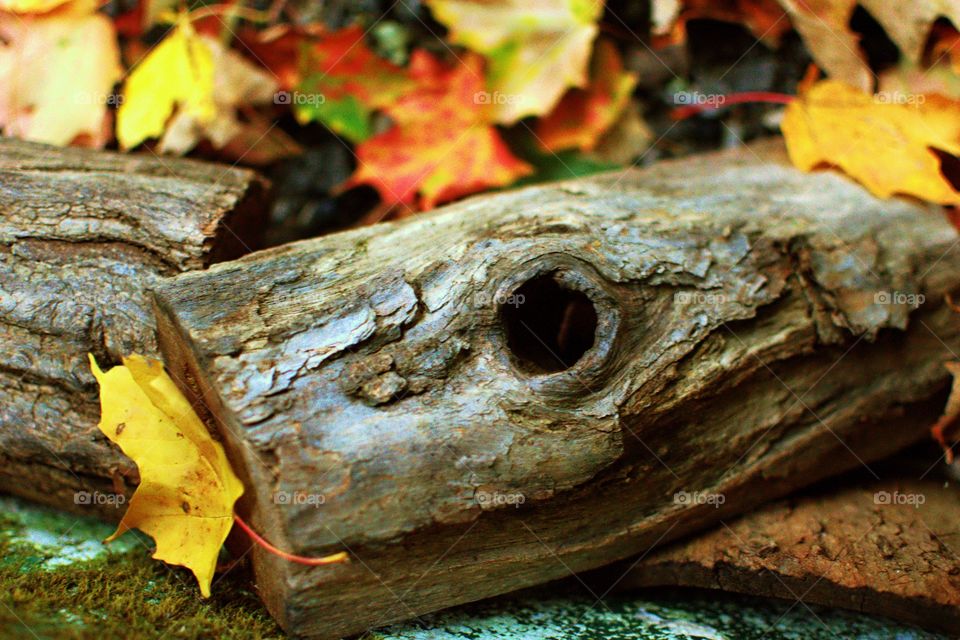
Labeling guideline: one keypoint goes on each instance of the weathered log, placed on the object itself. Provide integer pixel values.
(885, 547)
(82, 233)
(723, 324)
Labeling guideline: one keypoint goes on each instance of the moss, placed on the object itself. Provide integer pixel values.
(58, 581)
(48, 592)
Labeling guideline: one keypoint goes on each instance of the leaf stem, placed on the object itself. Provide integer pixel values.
(312, 562)
(687, 110)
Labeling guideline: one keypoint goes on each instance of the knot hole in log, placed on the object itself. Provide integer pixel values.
(548, 326)
(557, 320)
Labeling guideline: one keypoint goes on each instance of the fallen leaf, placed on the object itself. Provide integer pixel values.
(236, 82)
(187, 489)
(57, 73)
(764, 18)
(909, 82)
(176, 74)
(945, 45)
(890, 148)
(628, 139)
(442, 145)
(259, 143)
(909, 23)
(30, 6)
(536, 48)
(277, 48)
(583, 115)
(663, 16)
(343, 81)
(188, 88)
(945, 430)
(825, 28)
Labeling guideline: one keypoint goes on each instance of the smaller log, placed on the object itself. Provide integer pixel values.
(82, 235)
(885, 547)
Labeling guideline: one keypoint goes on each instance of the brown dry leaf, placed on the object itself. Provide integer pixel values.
(824, 26)
(909, 23)
(628, 138)
(764, 18)
(890, 148)
(945, 430)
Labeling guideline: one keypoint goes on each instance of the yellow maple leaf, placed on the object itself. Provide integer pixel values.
(887, 147)
(202, 80)
(176, 74)
(57, 73)
(187, 488)
(536, 48)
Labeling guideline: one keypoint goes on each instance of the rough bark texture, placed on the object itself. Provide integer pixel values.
(753, 327)
(82, 233)
(886, 547)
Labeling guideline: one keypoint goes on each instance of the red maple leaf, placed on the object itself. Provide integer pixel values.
(442, 145)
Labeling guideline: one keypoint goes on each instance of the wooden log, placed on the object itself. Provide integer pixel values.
(82, 233)
(528, 384)
(886, 547)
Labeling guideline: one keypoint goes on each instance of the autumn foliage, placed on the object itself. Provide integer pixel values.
(434, 127)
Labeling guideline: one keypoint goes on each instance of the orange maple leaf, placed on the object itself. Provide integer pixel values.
(442, 145)
(583, 115)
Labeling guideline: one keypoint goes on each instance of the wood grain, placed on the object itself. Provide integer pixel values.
(82, 235)
(755, 332)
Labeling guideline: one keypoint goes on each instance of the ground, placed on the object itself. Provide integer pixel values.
(58, 581)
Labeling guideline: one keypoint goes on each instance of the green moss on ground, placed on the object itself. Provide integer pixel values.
(58, 581)
(67, 585)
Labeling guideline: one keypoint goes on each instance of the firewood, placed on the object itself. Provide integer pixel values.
(82, 234)
(546, 380)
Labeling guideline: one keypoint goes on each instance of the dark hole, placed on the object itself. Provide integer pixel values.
(549, 327)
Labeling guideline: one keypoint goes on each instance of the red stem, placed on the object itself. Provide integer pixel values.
(687, 110)
(312, 562)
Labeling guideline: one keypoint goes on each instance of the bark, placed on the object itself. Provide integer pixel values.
(82, 233)
(885, 547)
(754, 333)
